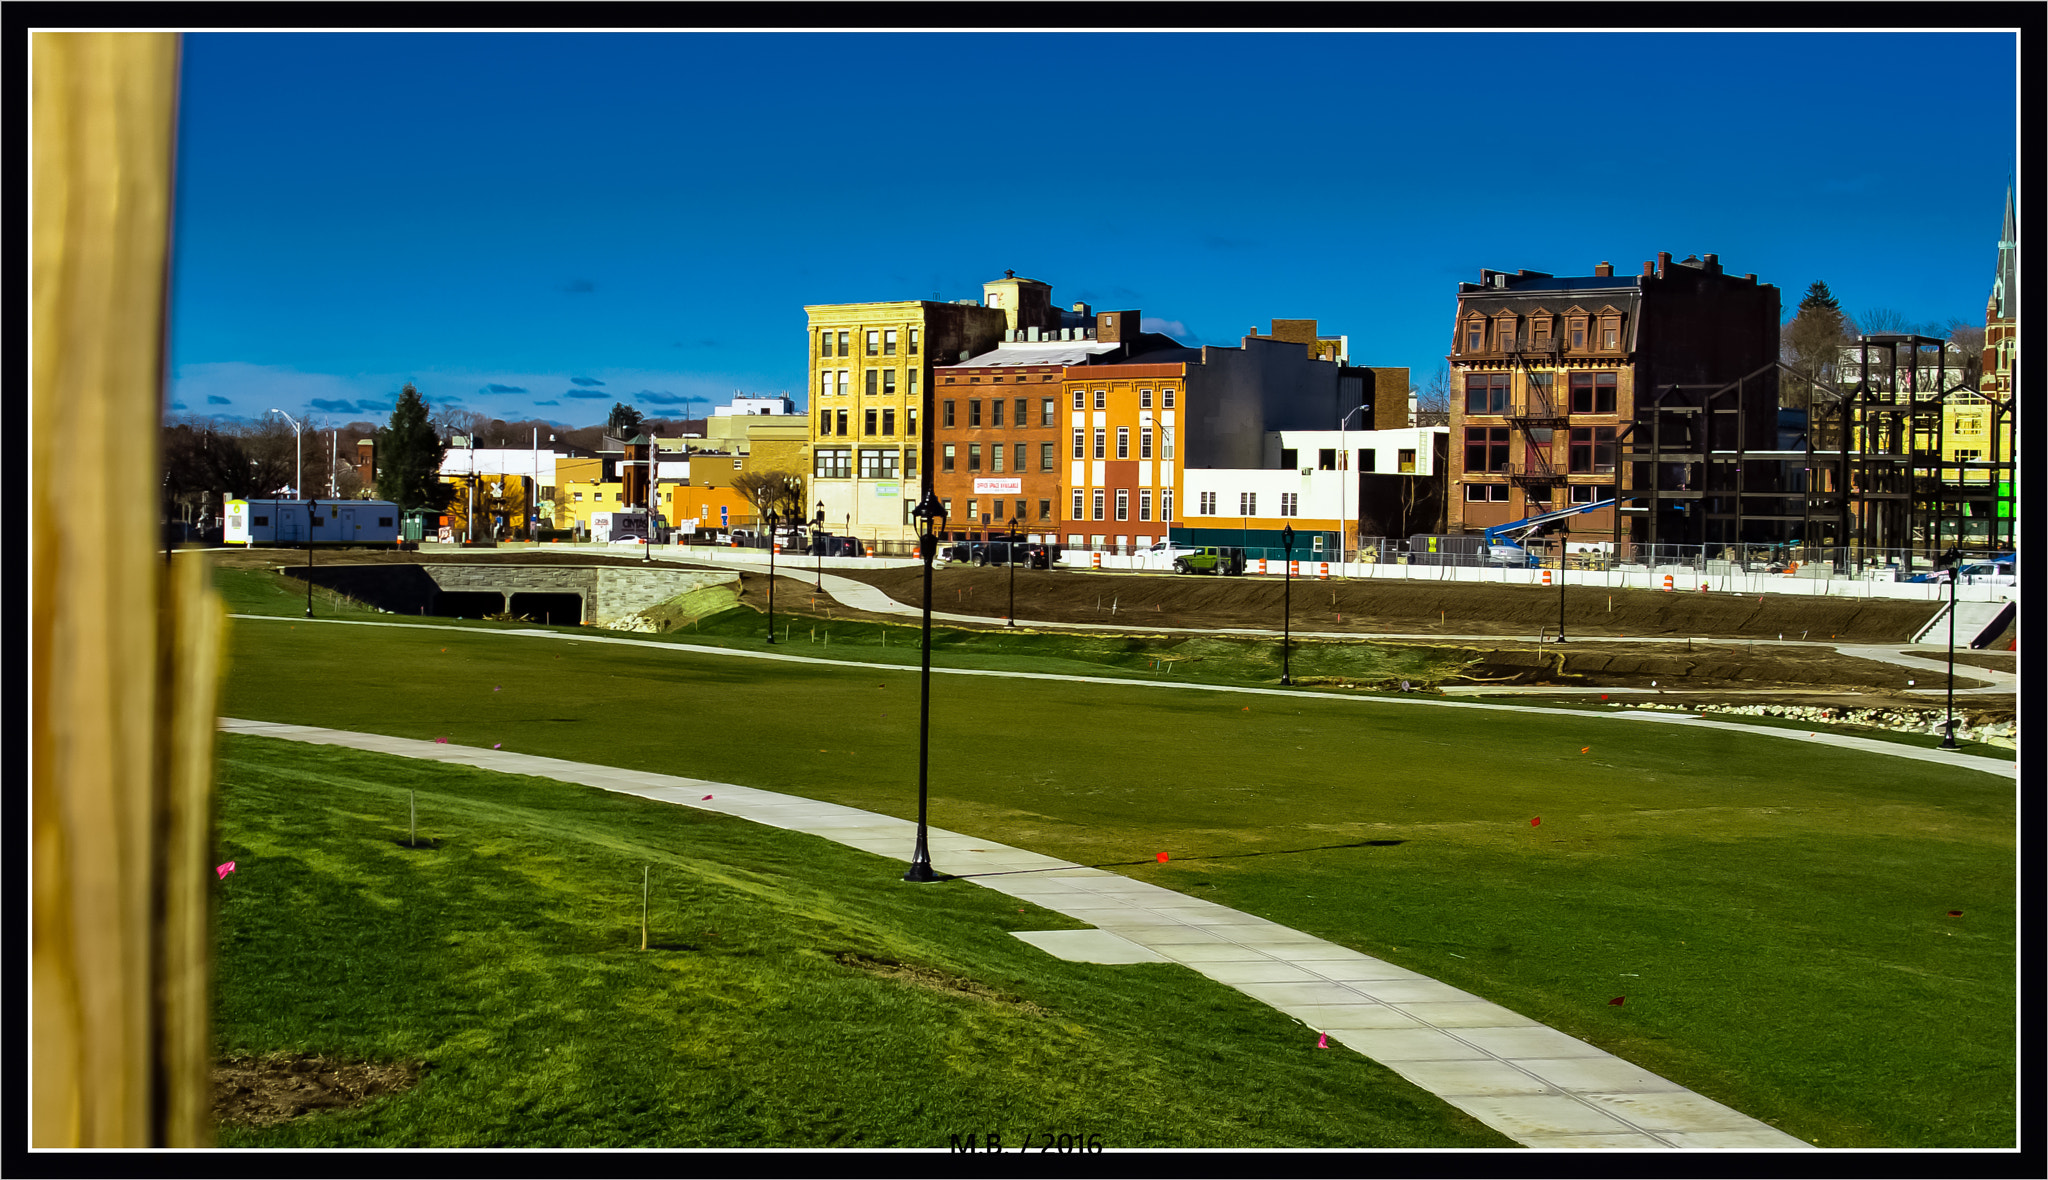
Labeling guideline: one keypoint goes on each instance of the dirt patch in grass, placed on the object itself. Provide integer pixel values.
(931, 979)
(265, 1091)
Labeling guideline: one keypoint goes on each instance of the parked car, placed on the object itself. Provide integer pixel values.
(1976, 573)
(1211, 559)
(1510, 555)
(1164, 555)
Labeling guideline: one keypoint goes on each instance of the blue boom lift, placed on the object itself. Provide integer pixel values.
(1496, 539)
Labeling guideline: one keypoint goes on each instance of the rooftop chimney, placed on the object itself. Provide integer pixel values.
(1604, 270)
(1649, 268)
(1663, 262)
(1713, 262)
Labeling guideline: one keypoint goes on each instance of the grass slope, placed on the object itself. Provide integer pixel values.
(1776, 916)
(798, 994)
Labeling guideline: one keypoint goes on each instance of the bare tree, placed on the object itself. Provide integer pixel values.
(781, 492)
(1433, 399)
(1968, 339)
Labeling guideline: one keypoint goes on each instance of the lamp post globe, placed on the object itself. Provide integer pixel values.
(930, 515)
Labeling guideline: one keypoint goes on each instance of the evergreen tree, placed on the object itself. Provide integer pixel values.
(409, 456)
(624, 421)
(1819, 297)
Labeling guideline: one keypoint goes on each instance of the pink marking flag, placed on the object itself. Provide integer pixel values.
(707, 798)
(1162, 858)
(497, 745)
(225, 869)
(1616, 1001)
(442, 741)
(1323, 1041)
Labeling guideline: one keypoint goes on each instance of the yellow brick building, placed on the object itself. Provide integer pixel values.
(869, 421)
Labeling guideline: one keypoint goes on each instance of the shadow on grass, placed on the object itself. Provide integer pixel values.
(1125, 864)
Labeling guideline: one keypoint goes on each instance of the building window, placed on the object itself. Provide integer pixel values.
(1289, 503)
(995, 412)
(1482, 493)
(1045, 456)
(1475, 334)
(1247, 503)
(1046, 410)
(1539, 332)
(1080, 505)
(1023, 412)
(1326, 459)
(824, 422)
(1504, 334)
(873, 342)
(1079, 444)
(946, 412)
(1144, 399)
(1208, 504)
(1145, 442)
(910, 421)
(1368, 459)
(1101, 399)
(1123, 504)
(1289, 458)
(1080, 400)
(1578, 332)
(1486, 393)
(946, 459)
(1018, 461)
(1123, 442)
(834, 462)
(889, 421)
(1166, 444)
(1592, 450)
(974, 413)
(1610, 333)
(888, 383)
(1144, 503)
(1099, 437)
(842, 423)
(909, 466)
(913, 342)
(1593, 393)
(1486, 448)
(1045, 510)
(874, 379)
(824, 344)
(878, 464)
(1166, 398)
(889, 342)
(995, 457)
(1582, 493)
(974, 456)
(825, 385)
(1098, 503)
(844, 375)
(973, 511)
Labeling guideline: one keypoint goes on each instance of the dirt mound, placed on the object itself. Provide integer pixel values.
(1385, 605)
(264, 1091)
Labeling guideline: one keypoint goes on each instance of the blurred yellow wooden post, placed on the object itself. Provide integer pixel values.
(125, 647)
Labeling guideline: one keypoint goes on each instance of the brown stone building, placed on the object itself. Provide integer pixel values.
(1559, 384)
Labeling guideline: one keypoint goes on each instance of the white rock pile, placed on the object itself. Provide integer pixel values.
(1996, 733)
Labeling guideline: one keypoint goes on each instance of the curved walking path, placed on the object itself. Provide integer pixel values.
(1528, 1081)
(858, 595)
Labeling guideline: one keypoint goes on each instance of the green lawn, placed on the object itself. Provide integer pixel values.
(1775, 914)
(766, 1012)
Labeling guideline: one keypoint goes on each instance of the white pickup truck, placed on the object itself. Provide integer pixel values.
(1162, 555)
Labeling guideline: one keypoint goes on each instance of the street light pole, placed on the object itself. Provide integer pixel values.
(311, 506)
(771, 575)
(818, 543)
(1010, 551)
(1953, 560)
(1287, 609)
(931, 518)
(299, 476)
(1564, 538)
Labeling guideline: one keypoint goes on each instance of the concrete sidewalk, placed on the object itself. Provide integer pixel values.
(1530, 1082)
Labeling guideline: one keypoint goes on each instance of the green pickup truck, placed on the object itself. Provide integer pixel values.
(1211, 560)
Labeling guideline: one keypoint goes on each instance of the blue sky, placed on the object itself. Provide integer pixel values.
(542, 224)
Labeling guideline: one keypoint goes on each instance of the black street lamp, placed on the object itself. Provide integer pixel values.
(1010, 551)
(931, 519)
(771, 576)
(1953, 562)
(1564, 538)
(313, 506)
(818, 543)
(1287, 609)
